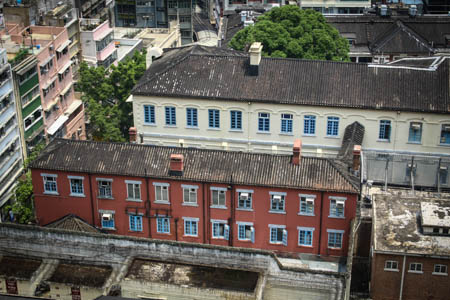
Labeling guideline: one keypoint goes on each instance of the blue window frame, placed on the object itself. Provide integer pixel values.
(190, 227)
(445, 134)
(332, 126)
(108, 220)
(236, 120)
(149, 114)
(385, 130)
(163, 225)
(309, 125)
(191, 117)
(305, 236)
(415, 132)
(214, 118)
(286, 123)
(335, 239)
(135, 223)
(264, 122)
(171, 117)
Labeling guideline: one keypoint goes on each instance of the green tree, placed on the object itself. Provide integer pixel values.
(104, 93)
(289, 31)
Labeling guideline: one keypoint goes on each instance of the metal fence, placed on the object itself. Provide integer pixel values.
(415, 171)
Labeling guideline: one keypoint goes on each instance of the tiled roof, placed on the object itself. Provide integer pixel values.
(196, 72)
(74, 223)
(200, 165)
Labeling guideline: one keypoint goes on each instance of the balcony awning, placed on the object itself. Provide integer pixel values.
(64, 68)
(73, 107)
(64, 45)
(48, 83)
(58, 123)
(51, 104)
(45, 61)
(66, 89)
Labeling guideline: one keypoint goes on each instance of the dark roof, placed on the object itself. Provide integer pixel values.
(81, 275)
(72, 222)
(231, 25)
(353, 135)
(200, 165)
(199, 72)
(16, 297)
(18, 267)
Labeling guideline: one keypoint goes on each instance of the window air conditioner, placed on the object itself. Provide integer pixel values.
(415, 126)
(164, 188)
(244, 196)
(107, 217)
(193, 190)
(51, 47)
(340, 204)
(309, 201)
(221, 192)
(443, 168)
(277, 198)
(446, 128)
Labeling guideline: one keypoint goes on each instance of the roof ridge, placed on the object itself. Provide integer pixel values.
(345, 176)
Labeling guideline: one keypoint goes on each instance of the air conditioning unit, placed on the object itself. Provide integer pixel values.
(192, 190)
(443, 168)
(244, 196)
(340, 204)
(277, 198)
(50, 47)
(221, 192)
(309, 201)
(107, 217)
(413, 10)
(164, 188)
(415, 126)
(446, 128)
(411, 166)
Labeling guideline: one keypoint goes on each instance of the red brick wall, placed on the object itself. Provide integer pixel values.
(52, 207)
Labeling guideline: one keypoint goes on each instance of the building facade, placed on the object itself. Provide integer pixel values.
(197, 98)
(336, 6)
(285, 203)
(97, 43)
(11, 158)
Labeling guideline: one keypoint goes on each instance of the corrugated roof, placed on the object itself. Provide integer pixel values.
(200, 165)
(189, 73)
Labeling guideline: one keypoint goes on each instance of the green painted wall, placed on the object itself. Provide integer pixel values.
(33, 128)
(30, 107)
(28, 84)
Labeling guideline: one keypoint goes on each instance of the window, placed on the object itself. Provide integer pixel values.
(191, 117)
(236, 120)
(76, 186)
(104, 188)
(107, 219)
(246, 232)
(415, 267)
(171, 119)
(189, 194)
(50, 186)
(149, 114)
(162, 192)
(440, 269)
(162, 225)
(135, 223)
(337, 207)
(278, 234)
(391, 265)
(220, 229)
(214, 118)
(218, 197)
(335, 238)
(309, 125)
(332, 126)
(286, 123)
(172, 4)
(307, 204)
(305, 236)
(264, 122)
(134, 190)
(277, 202)
(415, 132)
(190, 226)
(385, 130)
(244, 199)
(443, 172)
(445, 134)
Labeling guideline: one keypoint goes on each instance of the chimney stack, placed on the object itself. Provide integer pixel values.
(297, 152)
(176, 164)
(255, 58)
(132, 132)
(356, 157)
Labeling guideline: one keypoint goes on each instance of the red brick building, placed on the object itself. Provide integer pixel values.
(286, 203)
(410, 247)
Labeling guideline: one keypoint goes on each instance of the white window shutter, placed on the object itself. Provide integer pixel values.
(226, 232)
(285, 237)
(252, 230)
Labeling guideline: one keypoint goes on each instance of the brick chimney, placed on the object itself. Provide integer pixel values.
(356, 157)
(297, 152)
(132, 132)
(255, 58)
(176, 164)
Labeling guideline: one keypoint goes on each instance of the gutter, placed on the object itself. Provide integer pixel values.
(403, 278)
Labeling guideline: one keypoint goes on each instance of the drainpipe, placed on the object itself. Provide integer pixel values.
(176, 229)
(92, 200)
(204, 212)
(148, 210)
(411, 174)
(439, 177)
(320, 224)
(230, 232)
(403, 278)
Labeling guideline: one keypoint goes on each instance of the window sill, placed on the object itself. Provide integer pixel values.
(109, 228)
(51, 193)
(104, 197)
(213, 129)
(444, 145)
(218, 238)
(414, 143)
(439, 274)
(335, 248)
(309, 135)
(236, 130)
(383, 141)
(77, 195)
(415, 272)
(391, 270)
(189, 235)
(218, 206)
(133, 200)
(263, 132)
(189, 204)
(306, 246)
(162, 202)
(192, 127)
(337, 217)
(306, 214)
(277, 243)
(170, 126)
(135, 231)
(287, 133)
(332, 136)
(245, 241)
(150, 124)
(164, 233)
(244, 209)
(277, 212)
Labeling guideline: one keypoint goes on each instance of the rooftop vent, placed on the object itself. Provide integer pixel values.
(297, 152)
(255, 58)
(176, 165)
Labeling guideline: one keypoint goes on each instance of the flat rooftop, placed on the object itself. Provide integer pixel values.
(18, 267)
(396, 223)
(436, 213)
(84, 275)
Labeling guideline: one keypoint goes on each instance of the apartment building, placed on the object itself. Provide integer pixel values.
(286, 203)
(97, 43)
(11, 159)
(156, 14)
(232, 5)
(224, 99)
(336, 6)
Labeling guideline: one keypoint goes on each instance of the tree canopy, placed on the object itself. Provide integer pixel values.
(289, 31)
(104, 93)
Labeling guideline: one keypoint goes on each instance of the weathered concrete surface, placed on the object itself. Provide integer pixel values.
(275, 282)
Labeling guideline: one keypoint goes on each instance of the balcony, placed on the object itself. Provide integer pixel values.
(4, 74)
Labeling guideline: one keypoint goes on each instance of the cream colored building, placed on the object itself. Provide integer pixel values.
(190, 97)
